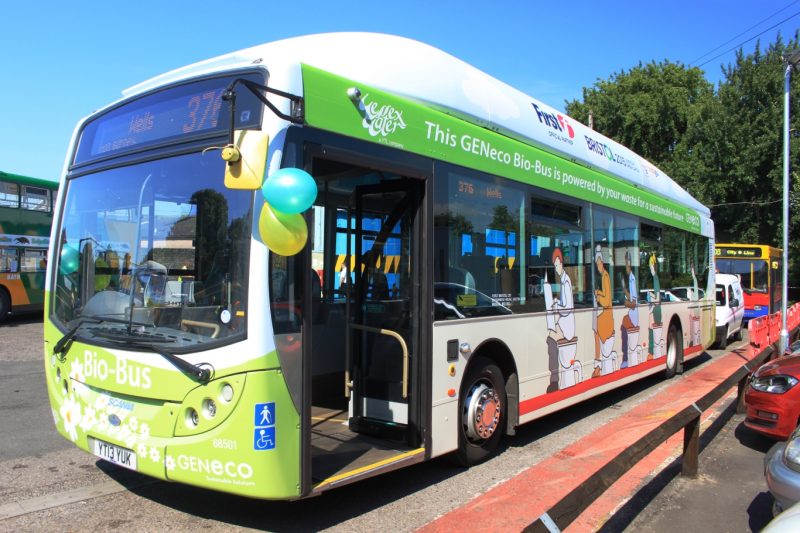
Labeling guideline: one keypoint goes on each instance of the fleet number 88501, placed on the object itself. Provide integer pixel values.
(225, 444)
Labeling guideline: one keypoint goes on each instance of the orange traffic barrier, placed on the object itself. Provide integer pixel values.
(774, 327)
(758, 331)
(793, 317)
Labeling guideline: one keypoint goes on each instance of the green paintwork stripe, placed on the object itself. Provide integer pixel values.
(407, 125)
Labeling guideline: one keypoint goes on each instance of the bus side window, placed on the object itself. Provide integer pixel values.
(33, 260)
(9, 195)
(9, 261)
(35, 198)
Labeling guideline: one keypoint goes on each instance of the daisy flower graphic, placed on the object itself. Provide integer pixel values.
(89, 419)
(71, 413)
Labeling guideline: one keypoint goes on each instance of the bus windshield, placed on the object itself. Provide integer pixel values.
(161, 245)
(754, 274)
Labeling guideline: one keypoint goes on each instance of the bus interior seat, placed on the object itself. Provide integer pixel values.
(461, 276)
(482, 269)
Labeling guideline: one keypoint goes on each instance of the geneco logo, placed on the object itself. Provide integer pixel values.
(556, 122)
(381, 120)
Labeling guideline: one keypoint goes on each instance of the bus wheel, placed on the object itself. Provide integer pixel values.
(722, 342)
(5, 304)
(482, 406)
(674, 352)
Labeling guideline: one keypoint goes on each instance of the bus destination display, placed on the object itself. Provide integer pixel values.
(738, 252)
(185, 111)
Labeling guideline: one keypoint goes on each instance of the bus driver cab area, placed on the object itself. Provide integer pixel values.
(164, 255)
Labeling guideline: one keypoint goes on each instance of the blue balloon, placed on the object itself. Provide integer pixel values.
(290, 190)
(70, 260)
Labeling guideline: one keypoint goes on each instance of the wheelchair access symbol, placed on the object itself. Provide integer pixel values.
(264, 439)
(264, 426)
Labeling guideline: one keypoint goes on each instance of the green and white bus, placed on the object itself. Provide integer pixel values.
(302, 264)
(26, 216)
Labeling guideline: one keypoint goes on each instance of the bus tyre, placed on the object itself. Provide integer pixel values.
(482, 412)
(722, 341)
(674, 352)
(5, 304)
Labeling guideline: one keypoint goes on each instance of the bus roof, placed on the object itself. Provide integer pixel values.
(430, 76)
(27, 180)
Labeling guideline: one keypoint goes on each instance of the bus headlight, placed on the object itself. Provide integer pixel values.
(192, 418)
(226, 393)
(209, 405)
(209, 408)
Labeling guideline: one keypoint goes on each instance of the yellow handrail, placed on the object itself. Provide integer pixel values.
(403, 345)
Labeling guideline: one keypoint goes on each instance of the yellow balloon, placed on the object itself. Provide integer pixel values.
(283, 233)
(101, 281)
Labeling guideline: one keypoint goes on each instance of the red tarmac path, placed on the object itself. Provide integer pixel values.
(521, 500)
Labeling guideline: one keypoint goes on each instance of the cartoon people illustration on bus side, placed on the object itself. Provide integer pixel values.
(605, 358)
(656, 342)
(694, 313)
(631, 351)
(562, 344)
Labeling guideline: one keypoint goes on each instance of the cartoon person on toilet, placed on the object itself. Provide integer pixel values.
(560, 321)
(654, 302)
(604, 333)
(631, 320)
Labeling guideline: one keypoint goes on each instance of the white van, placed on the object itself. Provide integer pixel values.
(730, 308)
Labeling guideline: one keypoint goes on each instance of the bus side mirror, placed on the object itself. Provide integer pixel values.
(734, 302)
(246, 160)
(775, 265)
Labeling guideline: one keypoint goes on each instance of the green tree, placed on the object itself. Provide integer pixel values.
(648, 108)
(724, 146)
(732, 155)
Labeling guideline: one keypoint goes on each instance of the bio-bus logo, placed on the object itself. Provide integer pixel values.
(554, 121)
(381, 119)
(123, 372)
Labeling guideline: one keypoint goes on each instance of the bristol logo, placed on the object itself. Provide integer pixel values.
(555, 121)
(381, 120)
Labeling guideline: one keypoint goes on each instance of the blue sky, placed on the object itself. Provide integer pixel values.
(59, 60)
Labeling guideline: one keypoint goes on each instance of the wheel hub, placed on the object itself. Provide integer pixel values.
(482, 413)
(672, 354)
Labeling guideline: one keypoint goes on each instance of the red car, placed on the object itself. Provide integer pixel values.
(773, 398)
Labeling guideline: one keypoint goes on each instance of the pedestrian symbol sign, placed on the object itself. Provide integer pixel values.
(265, 414)
(264, 426)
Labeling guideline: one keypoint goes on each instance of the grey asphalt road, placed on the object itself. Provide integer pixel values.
(64, 488)
(25, 417)
(729, 494)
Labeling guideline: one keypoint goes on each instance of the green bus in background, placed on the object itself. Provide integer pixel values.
(26, 214)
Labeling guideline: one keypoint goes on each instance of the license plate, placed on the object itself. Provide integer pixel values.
(114, 454)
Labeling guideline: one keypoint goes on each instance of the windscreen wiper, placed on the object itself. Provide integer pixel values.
(201, 372)
(62, 346)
